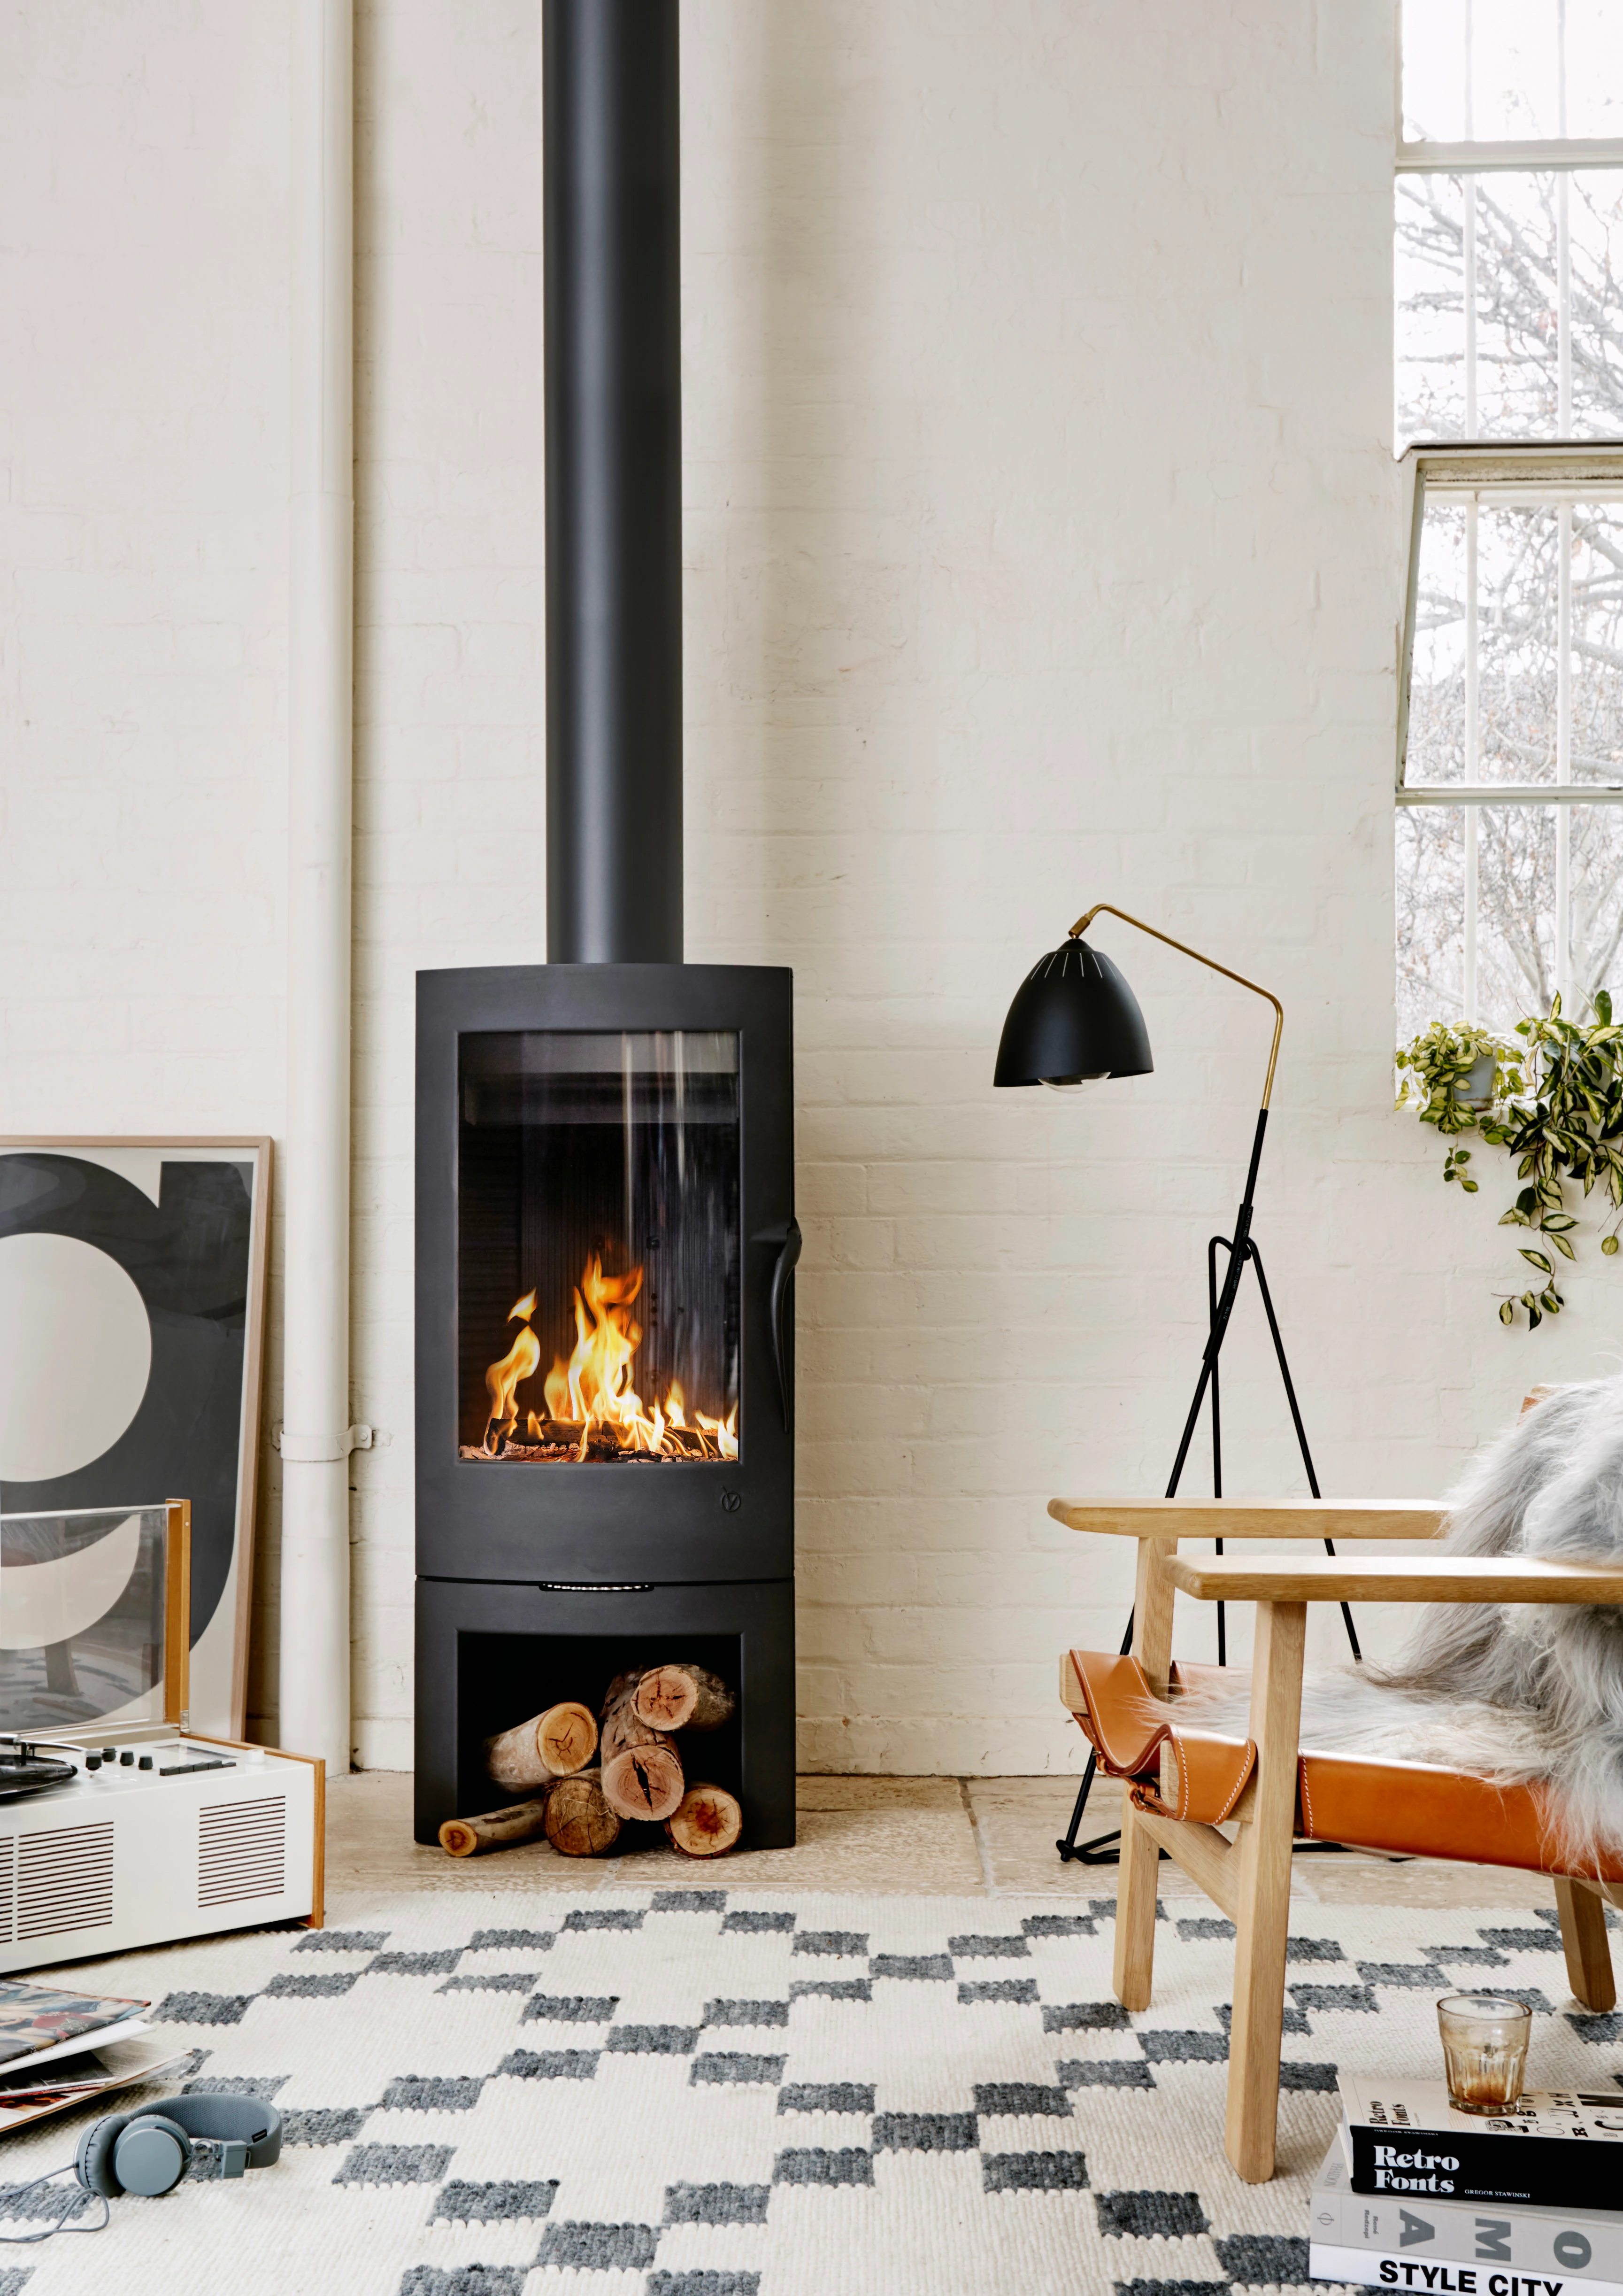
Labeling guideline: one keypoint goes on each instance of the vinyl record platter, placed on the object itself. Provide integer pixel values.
(26, 1768)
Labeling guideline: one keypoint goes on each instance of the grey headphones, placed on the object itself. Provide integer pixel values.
(150, 2152)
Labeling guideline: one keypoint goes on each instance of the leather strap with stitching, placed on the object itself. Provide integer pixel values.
(1128, 1728)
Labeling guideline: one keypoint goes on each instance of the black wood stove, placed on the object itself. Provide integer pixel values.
(605, 1156)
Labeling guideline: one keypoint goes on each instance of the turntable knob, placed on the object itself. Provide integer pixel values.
(145, 1763)
(126, 1761)
(93, 1761)
(109, 1752)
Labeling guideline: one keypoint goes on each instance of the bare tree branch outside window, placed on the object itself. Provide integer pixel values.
(1484, 692)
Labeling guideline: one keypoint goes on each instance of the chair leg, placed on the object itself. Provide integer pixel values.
(1263, 1915)
(1583, 1934)
(1135, 1883)
(1140, 1858)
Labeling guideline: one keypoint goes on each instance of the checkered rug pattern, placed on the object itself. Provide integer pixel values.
(707, 2092)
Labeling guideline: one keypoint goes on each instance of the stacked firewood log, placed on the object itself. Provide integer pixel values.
(638, 1777)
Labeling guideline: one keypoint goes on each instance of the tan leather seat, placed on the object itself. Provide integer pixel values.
(1416, 1808)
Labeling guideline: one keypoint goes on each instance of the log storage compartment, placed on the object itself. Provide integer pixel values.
(499, 1672)
(491, 1656)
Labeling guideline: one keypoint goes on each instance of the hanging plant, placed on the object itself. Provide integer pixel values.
(1553, 1102)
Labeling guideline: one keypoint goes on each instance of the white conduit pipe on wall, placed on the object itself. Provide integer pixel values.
(317, 1439)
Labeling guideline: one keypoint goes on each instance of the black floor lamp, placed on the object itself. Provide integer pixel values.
(1074, 1021)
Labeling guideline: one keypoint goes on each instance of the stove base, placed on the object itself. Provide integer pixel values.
(490, 1652)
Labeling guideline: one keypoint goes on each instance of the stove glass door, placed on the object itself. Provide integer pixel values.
(598, 1247)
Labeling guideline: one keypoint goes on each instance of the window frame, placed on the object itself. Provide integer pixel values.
(1507, 472)
(1533, 472)
(1522, 469)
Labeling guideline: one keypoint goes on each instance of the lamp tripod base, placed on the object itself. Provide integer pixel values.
(1104, 1849)
(1098, 1851)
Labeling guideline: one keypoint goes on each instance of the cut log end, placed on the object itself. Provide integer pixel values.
(644, 1782)
(682, 1696)
(567, 1737)
(665, 1697)
(550, 1745)
(641, 1770)
(707, 1824)
(579, 1822)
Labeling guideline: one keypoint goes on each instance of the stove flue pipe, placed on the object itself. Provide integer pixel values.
(613, 482)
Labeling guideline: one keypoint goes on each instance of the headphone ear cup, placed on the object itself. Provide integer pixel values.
(93, 2163)
(149, 2155)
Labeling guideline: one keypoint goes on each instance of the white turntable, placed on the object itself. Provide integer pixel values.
(134, 1830)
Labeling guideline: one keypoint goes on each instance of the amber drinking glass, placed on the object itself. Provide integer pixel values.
(1485, 2050)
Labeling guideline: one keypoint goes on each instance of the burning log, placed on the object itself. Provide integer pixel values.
(641, 1770)
(550, 1745)
(579, 1822)
(683, 1696)
(707, 1823)
(496, 1829)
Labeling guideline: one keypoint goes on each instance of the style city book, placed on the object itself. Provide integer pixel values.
(1556, 2149)
(1458, 2248)
(34, 2018)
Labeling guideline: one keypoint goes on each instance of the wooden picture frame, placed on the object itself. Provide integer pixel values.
(183, 1224)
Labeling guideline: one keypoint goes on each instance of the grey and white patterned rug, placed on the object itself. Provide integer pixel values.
(714, 2092)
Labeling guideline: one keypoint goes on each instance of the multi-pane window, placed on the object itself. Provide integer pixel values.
(1509, 279)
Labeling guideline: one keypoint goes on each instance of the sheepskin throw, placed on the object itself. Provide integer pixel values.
(1515, 1692)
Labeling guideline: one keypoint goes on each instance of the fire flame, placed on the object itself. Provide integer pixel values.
(521, 1359)
(592, 1390)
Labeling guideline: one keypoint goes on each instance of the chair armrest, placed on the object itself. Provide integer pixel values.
(1253, 1518)
(1401, 1578)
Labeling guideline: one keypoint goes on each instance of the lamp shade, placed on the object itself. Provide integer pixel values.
(1073, 1016)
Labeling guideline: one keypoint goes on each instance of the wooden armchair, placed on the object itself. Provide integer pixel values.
(1182, 1786)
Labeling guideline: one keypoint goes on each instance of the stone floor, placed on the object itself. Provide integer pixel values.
(948, 1836)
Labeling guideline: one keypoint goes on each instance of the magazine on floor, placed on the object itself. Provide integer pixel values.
(34, 2018)
(83, 2074)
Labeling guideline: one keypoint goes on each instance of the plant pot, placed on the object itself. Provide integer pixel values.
(1478, 1086)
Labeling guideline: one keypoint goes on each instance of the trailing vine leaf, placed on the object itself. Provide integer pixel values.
(1553, 1102)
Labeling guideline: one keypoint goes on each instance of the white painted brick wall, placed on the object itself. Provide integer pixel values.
(1043, 548)
(144, 304)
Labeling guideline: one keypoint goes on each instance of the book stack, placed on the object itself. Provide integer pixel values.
(58, 2049)
(1414, 2194)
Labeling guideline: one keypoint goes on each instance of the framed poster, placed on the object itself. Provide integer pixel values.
(132, 1312)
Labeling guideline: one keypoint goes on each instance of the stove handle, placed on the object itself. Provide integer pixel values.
(778, 1305)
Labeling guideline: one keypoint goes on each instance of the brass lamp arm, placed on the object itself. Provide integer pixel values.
(1105, 909)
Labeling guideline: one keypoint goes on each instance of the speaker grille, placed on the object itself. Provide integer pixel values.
(8, 1887)
(242, 1850)
(64, 1879)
